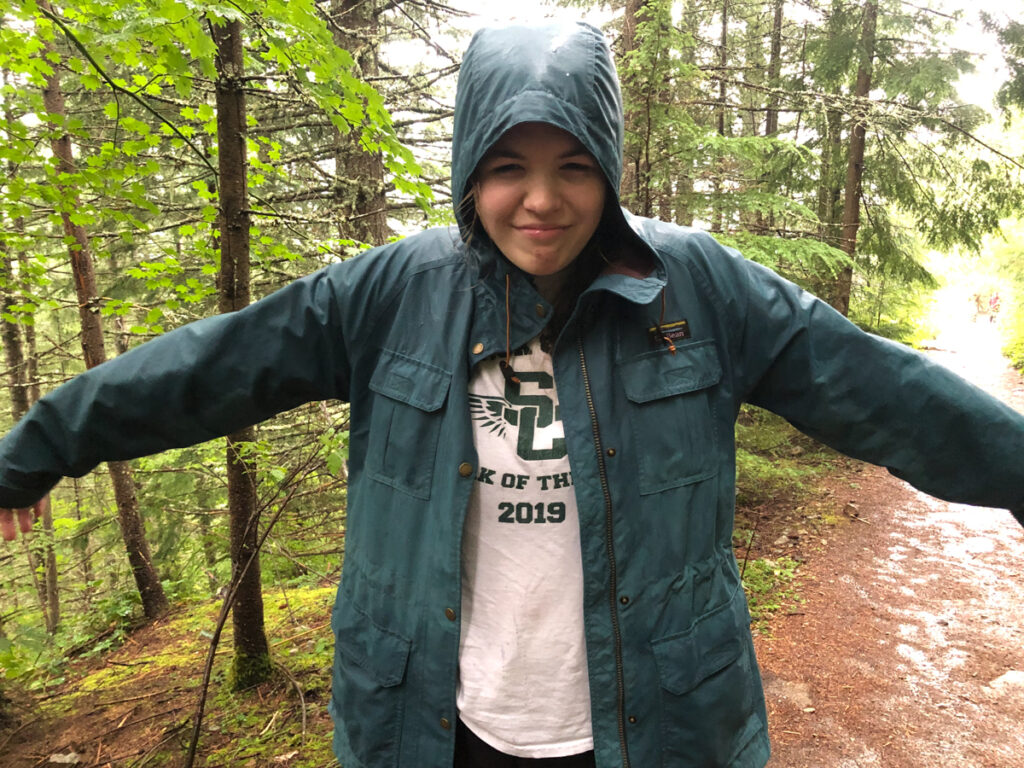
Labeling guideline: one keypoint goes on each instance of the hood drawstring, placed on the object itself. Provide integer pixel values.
(661, 322)
(506, 364)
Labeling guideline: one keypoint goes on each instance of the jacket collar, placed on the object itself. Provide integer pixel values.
(638, 278)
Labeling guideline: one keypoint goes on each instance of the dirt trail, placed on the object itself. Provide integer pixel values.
(908, 651)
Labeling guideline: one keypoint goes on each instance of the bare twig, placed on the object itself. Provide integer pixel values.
(298, 690)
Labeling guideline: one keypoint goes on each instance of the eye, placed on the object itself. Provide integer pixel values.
(578, 166)
(502, 168)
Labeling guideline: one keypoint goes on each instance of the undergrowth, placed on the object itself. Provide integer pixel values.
(1013, 330)
(36, 660)
(779, 466)
(773, 459)
(155, 676)
(769, 585)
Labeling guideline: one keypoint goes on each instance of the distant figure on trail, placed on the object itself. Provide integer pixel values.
(993, 307)
(539, 562)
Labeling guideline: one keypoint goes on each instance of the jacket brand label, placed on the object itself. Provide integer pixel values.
(677, 331)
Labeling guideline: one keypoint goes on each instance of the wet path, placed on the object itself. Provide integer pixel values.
(909, 649)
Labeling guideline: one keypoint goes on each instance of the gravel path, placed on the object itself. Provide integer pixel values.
(908, 651)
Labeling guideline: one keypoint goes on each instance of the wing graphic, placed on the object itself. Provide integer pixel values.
(493, 412)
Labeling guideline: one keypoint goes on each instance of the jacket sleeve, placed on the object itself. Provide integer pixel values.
(195, 383)
(868, 397)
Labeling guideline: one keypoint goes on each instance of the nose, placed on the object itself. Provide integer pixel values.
(542, 194)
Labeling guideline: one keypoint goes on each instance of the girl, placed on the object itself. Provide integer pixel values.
(539, 565)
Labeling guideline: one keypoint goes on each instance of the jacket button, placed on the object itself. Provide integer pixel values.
(446, 724)
(611, 451)
(449, 614)
(478, 348)
(465, 469)
(632, 720)
(541, 311)
(624, 600)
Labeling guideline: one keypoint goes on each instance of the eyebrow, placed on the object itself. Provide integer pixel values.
(511, 155)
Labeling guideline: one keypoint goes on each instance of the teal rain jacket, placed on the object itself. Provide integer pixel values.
(649, 433)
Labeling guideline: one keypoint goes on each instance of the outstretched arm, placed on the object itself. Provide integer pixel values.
(196, 383)
(868, 397)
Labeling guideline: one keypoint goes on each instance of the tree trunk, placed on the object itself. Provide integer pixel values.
(764, 222)
(645, 96)
(154, 602)
(684, 181)
(830, 183)
(209, 551)
(51, 587)
(17, 372)
(81, 546)
(251, 663)
(39, 584)
(31, 355)
(855, 164)
(629, 187)
(359, 175)
(771, 120)
(14, 348)
(718, 209)
(802, 80)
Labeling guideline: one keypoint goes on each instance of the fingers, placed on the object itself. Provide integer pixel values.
(25, 518)
(7, 524)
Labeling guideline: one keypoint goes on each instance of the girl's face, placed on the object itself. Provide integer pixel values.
(539, 195)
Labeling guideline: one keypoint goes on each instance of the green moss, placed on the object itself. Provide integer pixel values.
(774, 459)
(249, 671)
(769, 585)
(256, 726)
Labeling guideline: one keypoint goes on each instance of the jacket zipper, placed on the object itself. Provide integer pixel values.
(610, 548)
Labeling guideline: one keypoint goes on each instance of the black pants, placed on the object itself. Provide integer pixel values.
(471, 752)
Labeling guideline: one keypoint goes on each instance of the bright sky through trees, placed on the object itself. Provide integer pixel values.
(978, 87)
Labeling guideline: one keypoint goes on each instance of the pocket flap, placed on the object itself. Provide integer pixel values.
(380, 652)
(657, 374)
(686, 659)
(410, 381)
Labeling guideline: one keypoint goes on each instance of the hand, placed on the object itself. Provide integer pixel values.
(26, 516)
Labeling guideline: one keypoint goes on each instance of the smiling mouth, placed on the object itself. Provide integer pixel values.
(541, 231)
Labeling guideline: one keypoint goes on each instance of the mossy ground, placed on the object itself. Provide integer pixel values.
(134, 706)
(791, 493)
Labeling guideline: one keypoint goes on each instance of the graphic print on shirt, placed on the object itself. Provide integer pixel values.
(523, 685)
(525, 413)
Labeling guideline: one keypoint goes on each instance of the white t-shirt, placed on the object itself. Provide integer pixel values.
(523, 685)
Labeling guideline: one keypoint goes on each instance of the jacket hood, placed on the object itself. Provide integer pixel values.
(559, 74)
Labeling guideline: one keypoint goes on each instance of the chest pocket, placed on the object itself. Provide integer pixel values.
(406, 422)
(670, 414)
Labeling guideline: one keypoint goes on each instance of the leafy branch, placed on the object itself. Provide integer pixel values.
(118, 88)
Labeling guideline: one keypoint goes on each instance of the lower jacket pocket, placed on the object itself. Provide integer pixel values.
(367, 692)
(707, 689)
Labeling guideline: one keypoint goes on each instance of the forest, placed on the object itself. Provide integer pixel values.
(168, 160)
